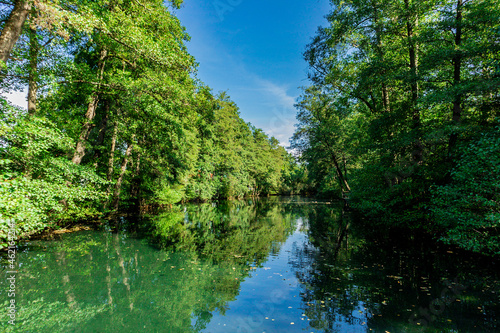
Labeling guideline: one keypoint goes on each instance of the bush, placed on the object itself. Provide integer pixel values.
(468, 209)
(169, 194)
(38, 182)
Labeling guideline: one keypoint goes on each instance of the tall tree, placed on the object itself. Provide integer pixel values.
(13, 27)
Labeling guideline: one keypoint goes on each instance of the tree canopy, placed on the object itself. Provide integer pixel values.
(117, 118)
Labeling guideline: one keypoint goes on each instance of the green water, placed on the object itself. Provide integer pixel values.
(271, 265)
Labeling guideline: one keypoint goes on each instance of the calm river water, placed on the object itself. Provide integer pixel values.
(271, 265)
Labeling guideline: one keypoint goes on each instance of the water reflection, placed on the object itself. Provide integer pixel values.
(370, 280)
(273, 265)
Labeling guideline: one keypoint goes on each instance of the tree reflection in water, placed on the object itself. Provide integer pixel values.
(186, 269)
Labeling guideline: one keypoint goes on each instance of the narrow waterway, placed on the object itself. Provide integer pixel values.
(270, 265)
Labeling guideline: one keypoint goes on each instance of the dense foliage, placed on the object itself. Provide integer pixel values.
(116, 117)
(402, 115)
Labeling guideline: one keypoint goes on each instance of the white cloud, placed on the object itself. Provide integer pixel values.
(278, 92)
(18, 98)
(281, 115)
(281, 125)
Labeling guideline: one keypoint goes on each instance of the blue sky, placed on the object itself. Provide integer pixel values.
(253, 50)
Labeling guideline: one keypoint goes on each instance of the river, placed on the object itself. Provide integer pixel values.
(270, 265)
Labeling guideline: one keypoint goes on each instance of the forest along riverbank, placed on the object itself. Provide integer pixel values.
(268, 265)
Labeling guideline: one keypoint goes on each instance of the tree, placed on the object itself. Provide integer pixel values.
(318, 137)
(12, 28)
(400, 89)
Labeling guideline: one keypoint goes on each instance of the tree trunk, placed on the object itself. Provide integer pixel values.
(136, 183)
(13, 27)
(380, 53)
(125, 275)
(102, 134)
(345, 167)
(104, 124)
(457, 66)
(33, 71)
(70, 295)
(118, 185)
(87, 126)
(414, 89)
(385, 98)
(342, 180)
(111, 161)
(412, 50)
(89, 115)
(108, 275)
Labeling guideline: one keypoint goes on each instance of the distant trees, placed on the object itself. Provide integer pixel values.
(236, 159)
(405, 91)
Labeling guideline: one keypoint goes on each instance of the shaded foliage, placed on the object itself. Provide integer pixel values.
(408, 94)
